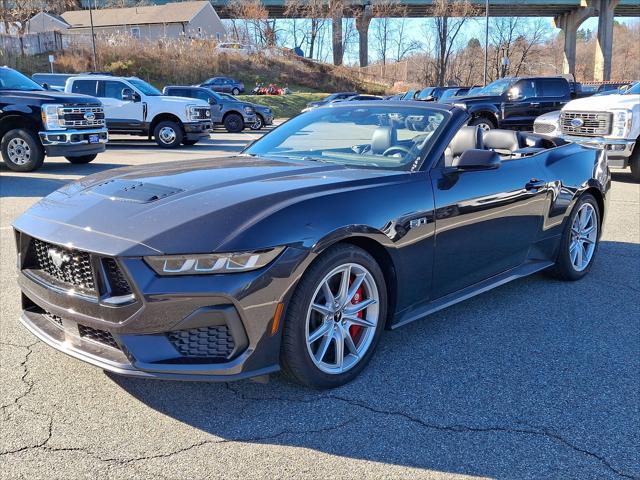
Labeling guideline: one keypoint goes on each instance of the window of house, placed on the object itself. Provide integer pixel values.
(135, 32)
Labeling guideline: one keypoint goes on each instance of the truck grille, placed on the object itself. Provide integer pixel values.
(585, 124)
(215, 342)
(82, 117)
(203, 113)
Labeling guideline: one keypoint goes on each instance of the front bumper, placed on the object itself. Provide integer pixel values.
(267, 117)
(73, 143)
(197, 130)
(207, 327)
(618, 150)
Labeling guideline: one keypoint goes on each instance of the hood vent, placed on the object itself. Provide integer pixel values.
(133, 191)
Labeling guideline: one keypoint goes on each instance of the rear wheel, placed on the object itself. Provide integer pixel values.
(635, 162)
(234, 123)
(335, 318)
(484, 123)
(82, 159)
(235, 91)
(21, 150)
(168, 134)
(580, 239)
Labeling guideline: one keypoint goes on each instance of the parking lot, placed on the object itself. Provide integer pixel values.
(535, 379)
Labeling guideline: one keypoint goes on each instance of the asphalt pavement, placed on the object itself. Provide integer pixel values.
(535, 379)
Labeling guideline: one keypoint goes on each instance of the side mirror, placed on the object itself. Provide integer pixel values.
(127, 95)
(212, 101)
(46, 86)
(477, 160)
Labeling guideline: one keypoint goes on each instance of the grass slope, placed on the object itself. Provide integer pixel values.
(284, 106)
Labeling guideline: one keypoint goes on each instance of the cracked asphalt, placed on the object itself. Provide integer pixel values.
(535, 379)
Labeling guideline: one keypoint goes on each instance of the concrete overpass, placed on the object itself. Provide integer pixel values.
(568, 16)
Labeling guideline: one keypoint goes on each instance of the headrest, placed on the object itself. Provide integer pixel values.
(467, 138)
(383, 138)
(501, 140)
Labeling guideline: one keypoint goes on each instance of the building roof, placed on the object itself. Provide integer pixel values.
(157, 14)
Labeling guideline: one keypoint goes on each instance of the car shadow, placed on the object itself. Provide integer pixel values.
(535, 379)
(623, 176)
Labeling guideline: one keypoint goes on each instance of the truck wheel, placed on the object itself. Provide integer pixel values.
(483, 122)
(634, 161)
(82, 159)
(258, 124)
(22, 150)
(189, 143)
(234, 123)
(168, 134)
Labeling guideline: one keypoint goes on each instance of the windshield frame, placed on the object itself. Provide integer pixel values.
(414, 165)
(141, 86)
(32, 84)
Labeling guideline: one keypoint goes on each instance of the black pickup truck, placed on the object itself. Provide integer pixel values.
(515, 102)
(35, 122)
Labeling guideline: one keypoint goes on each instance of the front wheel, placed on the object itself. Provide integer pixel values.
(258, 124)
(233, 123)
(484, 123)
(635, 162)
(82, 159)
(335, 318)
(579, 241)
(21, 150)
(168, 134)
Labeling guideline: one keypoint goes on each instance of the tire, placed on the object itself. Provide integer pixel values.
(21, 150)
(634, 162)
(484, 123)
(168, 134)
(189, 143)
(258, 124)
(565, 267)
(300, 353)
(235, 91)
(82, 159)
(233, 123)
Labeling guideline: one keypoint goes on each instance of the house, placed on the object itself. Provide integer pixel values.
(46, 22)
(171, 20)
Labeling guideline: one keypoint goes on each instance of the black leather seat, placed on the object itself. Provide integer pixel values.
(383, 138)
(467, 138)
(508, 142)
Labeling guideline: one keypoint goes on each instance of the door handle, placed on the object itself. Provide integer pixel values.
(535, 184)
(535, 104)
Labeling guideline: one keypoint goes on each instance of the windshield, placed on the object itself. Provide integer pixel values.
(449, 93)
(425, 93)
(497, 87)
(368, 137)
(12, 80)
(144, 87)
(228, 96)
(634, 89)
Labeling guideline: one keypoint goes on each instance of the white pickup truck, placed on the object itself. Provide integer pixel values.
(134, 107)
(611, 122)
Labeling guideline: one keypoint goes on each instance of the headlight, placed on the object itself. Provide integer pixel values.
(51, 116)
(212, 263)
(621, 123)
(193, 112)
(248, 109)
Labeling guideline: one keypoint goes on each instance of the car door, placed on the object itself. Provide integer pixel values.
(486, 221)
(121, 113)
(520, 107)
(554, 94)
(218, 85)
(213, 100)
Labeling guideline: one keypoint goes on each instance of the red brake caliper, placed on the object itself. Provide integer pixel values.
(355, 330)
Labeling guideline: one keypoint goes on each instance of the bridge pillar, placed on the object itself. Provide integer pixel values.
(336, 33)
(569, 24)
(362, 25)
(604, 43)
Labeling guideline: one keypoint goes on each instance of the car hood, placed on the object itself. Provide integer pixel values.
(50, 96)
(603, 103)
(553, 117)
(195, 206)
(168, 99)
(474, 99)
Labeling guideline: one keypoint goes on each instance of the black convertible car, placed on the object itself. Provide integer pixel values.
(297, 253)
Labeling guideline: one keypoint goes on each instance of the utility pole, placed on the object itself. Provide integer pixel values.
(93, 39)
(486, 40)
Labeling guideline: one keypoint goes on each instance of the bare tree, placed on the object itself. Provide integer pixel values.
(314, 13)
(251, 23)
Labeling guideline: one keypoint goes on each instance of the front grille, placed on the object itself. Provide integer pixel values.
(593, 124)
(202, 113)
(57, 319)
(543, 128)
(68, 266)
(97, 335)
(205, 342)
(75, 116)
(119, 284)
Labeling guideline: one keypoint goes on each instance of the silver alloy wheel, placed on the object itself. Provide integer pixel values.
(342, 318)
(18, 151)
(584, 235)
(257, 125)
(484, 126)
(167, 135)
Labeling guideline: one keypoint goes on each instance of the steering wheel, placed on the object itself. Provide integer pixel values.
(395, 149)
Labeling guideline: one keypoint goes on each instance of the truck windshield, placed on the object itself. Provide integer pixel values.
(12, 80)
(145, 88)
(497, 87)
